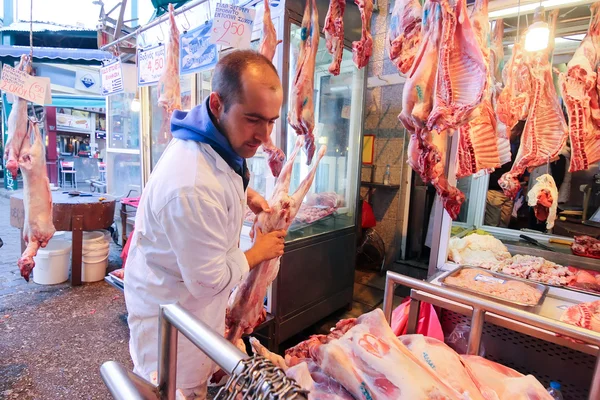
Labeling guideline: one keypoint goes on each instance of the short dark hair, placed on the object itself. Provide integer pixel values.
(227, 76)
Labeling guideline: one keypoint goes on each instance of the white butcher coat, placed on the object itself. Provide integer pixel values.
(185, 250)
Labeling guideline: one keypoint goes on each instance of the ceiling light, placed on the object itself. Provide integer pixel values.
(538, 33)
(531, 7)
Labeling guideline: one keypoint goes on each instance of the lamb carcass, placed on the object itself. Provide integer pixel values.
(497, 52)
(319, 386)
(245, 309)
(17, 125)
(506, 382)
(462, 74)
(363, 48)
(169, 88)
(302, 110)
(581, 95)
(543, 197)
(334, 33)
(38, 228)
(404, 35)
(545, 131)
(269, 41)
(481, 27)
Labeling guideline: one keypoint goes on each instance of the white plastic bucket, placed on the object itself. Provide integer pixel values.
(106, 233)
(52, 263)
(95, 252)
(92, 236)
(94, 269)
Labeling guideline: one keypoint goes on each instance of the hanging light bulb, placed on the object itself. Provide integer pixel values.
(538, 33)
(135, 103)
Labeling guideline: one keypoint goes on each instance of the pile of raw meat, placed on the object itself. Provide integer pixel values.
(534, 268)
(311, 214)
(362, 359)
(586, 246)
(584, 315)
(476, 250)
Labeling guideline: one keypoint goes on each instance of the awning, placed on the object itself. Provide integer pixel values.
(55, 53)
(71, 101)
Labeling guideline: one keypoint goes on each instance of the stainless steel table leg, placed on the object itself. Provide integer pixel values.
(477, 321)
(167, 358)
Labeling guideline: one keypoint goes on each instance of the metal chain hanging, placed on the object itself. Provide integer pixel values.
(260, 379)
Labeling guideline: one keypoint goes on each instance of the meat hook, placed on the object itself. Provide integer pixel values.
(188, 23)
(162, 33)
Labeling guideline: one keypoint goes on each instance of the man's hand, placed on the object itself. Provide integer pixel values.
(266, 247)
(257, 203)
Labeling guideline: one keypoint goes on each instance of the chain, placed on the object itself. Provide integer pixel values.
(260, 379)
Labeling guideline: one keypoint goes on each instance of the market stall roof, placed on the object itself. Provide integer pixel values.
(42, 26)
(55, 53)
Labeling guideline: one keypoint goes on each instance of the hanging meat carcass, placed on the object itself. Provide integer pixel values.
(497, 54)
(404, 35)
(581, 96)
(245, 309)
(302, 113)
(17, 125)
(543, 197)
(462, 74)
(38, 228)
(334, 33)
(363, 48)
(169, 88)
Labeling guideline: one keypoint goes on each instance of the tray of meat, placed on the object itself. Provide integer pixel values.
(513, 291)
(586, 246)
(584, 280)
(308, 215)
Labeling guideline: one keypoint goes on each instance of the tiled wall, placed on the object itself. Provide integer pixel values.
(383, 106)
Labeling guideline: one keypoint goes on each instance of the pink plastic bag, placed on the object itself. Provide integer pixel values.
(428, 325)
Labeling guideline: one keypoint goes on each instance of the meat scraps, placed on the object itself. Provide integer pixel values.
(543, 197)
(586, 246)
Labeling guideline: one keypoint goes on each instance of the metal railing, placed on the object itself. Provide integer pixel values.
(480, 307)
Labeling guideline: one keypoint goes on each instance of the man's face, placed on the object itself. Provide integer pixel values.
(248, 122)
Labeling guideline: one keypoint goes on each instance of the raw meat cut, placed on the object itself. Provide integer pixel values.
(545, 132)
(38, 228)
(302, 110)
(579, 87)
(513, 102)
(476, 250)
(404, 35)
(245, 309)
(534, 268)
(327, 199)
(275, 157)
(371, 363)
(584, 315)
(309, 214)
(334, 33)
(363, 48)
(446, 364)
(17, 125)
(497, 52)
(269, 41)
(506, 382)
(481, 27)
(586, 246)
(320, 386)
(169, 89)
(585, 279)
(503, 143)
(543, 197)
(462, 74)
(261, 350)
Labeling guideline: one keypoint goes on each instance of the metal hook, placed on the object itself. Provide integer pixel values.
(382, 79)
(162, 32)
(188, 23)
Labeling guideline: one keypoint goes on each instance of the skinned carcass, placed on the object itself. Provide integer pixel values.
(334, 33)
(169, 88)
(462, 74)
(497, 53)
(543, 197)
(301, 115)
(245, 310)
(363, 48)
(17, 125)
(38, 228)
(404, 35)
(580, 92)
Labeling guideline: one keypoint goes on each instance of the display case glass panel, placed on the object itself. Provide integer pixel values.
(123, 124)
(124, 175)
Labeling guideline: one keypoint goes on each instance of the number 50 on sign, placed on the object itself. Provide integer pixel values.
(232, 26)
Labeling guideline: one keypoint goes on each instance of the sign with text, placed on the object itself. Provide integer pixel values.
(232, 26)
(111, 75)
(81, 122)
(151, 63)
(197, 53)
(21, 84)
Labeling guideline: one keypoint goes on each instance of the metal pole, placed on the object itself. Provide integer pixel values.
(222, 352)
(413, 316)
(388, 297)
(125, 385)
(153, 23)
(477, 321)
(167, 357)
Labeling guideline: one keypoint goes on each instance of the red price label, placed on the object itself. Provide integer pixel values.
(234, 28)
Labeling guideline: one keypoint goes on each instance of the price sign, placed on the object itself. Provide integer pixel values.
(232, 26)
(111, 75)
(197, 53)
(151, 63)
(20, 83)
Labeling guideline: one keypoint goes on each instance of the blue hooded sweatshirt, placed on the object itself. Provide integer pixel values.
(198, 125)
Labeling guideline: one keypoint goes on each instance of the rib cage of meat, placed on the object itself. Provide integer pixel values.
(301, 115)
(38, 228)
(404, 35)
(581, 95)
(169, 89)
(462, 73)
(363, 48)
(17, 125)
(334, 33)
(245, 308)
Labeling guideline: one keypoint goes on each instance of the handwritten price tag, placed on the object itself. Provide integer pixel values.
(112, 78)
(150, 64)
(19, 83)
(232, 26)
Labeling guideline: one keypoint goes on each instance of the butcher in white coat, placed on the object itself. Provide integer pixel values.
(187, 228)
